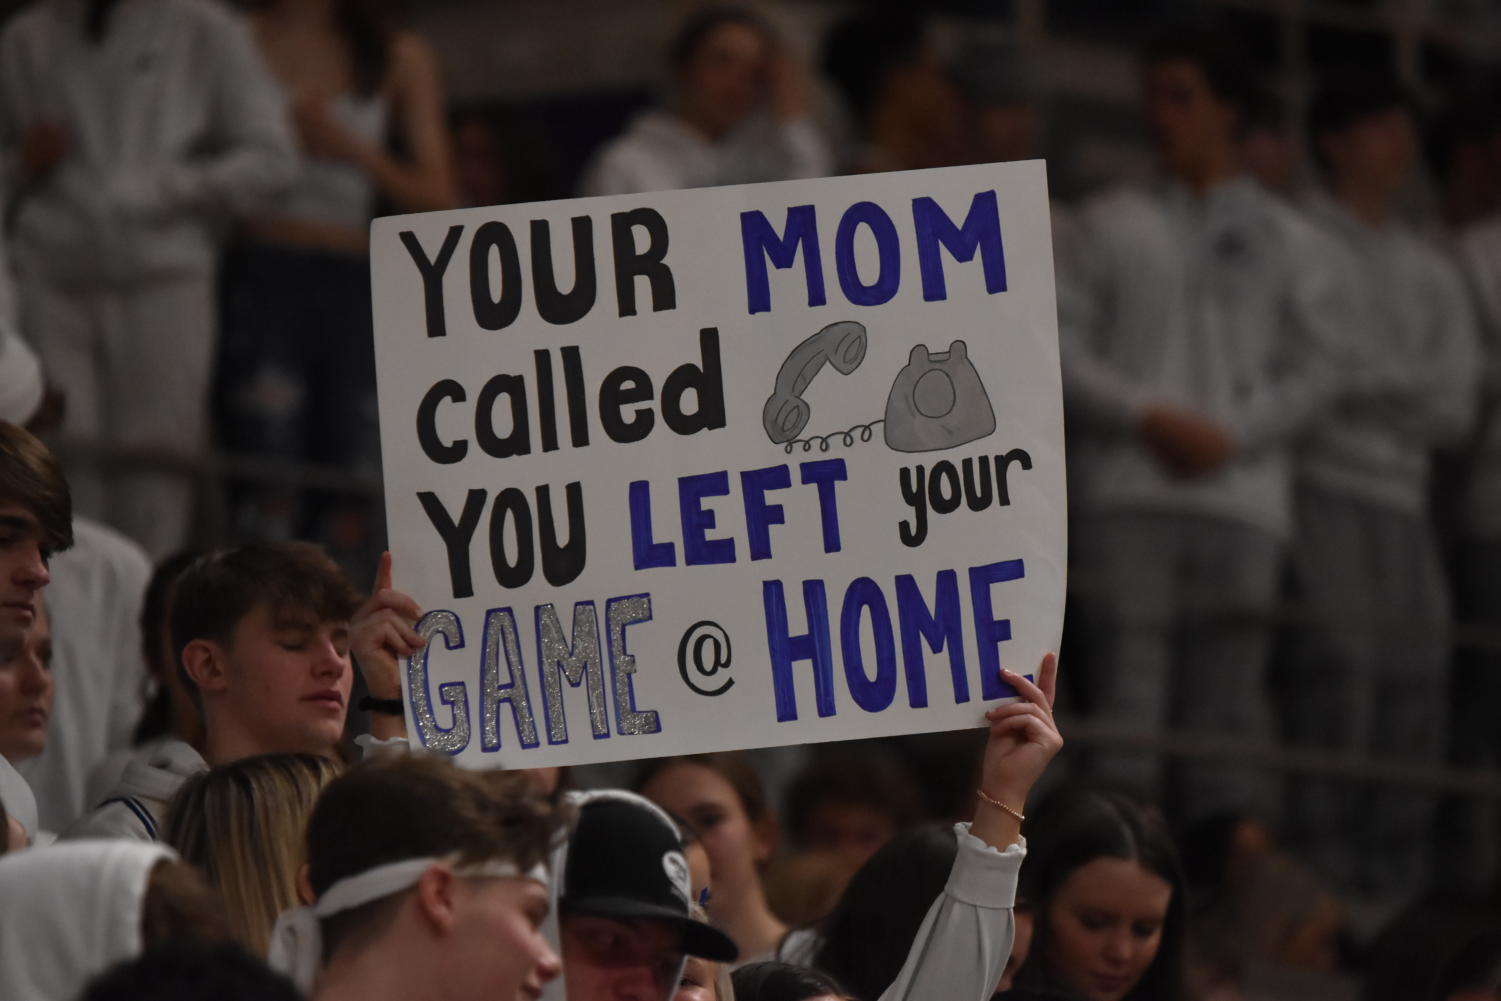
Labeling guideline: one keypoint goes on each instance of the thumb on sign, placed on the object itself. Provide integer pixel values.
(383, 631)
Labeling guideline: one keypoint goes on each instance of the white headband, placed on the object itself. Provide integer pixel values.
(297, 940)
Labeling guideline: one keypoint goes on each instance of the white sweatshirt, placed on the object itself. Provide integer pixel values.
(1226, 306)
(173, 125)
(136, 808)
(1480, 256)
(95, 602)
(1409, 373)
(661, 152)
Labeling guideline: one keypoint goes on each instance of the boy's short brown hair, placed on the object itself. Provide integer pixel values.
(30, 477)
(420, 806)
(296, 581)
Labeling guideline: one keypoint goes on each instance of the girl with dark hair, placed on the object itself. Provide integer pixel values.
(721, 798)
(773, 981)
(735, 113)
(864, 941)
(1109, 896)
(297, 361)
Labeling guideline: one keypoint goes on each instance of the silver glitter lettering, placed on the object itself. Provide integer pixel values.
(580, 663)
(500, 628)
(620, 613)
(441, 740)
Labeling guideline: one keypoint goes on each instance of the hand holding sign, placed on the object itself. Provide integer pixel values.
(1024, 738)
(380, 633)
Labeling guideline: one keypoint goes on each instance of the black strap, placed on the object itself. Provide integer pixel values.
(138, 808)
(386, 707)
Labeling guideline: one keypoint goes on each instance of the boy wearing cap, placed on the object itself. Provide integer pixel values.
(624, 903)
(427, 882)
(625, 921)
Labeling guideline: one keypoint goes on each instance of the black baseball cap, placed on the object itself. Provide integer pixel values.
(625, 860)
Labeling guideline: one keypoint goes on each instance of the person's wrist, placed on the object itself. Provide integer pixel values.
(1009, 793)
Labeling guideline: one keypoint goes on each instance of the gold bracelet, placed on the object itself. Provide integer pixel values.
(985, 797)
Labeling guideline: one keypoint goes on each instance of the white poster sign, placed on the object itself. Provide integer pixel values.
(722, 468)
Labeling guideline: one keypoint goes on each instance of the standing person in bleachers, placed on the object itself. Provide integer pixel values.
(297, 372)
(905, 108)
(135, 132)
(737, 113)
(1373, 666)
(1196, 342)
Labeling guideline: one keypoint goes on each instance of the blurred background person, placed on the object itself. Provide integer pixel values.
(297, 366)
(1269, 144)
(241, 825)
(1373, 672)
(1001, 88)
(720, 797)
(138, 131)
(849, 801)
(736, 112)
(863, 943)
(27, 691)
(1196, 342)
(905, 111)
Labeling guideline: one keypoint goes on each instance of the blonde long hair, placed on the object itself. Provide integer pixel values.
(242, 825)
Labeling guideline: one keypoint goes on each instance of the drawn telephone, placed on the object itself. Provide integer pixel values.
(840, 344)
(937, 401)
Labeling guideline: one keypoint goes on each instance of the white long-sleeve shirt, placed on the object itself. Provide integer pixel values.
(173, 127)
(1224, 306)
(1480, 256)
(661, 152)
(1410, 369)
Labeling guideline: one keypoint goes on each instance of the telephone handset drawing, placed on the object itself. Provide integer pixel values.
(840, 344)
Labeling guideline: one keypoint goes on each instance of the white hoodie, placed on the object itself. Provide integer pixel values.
(1227, 306)
(137, 807)
(1410, 371)
(174, 126)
